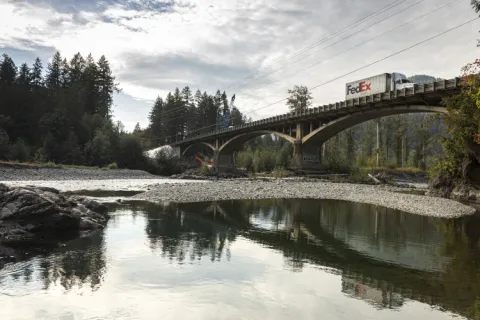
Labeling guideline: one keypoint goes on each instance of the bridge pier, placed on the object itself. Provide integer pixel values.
(225, 162)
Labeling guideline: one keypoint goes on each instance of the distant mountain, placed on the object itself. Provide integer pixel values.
(423, 79)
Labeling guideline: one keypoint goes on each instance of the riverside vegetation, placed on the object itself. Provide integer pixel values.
(66, 119)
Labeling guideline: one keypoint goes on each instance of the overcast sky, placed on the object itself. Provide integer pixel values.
(156, 45)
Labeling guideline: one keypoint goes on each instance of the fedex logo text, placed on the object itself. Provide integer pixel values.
(362, 87)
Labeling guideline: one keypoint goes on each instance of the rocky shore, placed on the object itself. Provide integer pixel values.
(256, 189)
(34, 220)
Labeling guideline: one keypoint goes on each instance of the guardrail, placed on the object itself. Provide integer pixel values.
(437, 86)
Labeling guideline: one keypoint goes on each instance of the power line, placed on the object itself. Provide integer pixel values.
(392, 5)
(330, 45)
(359, 45)
(366, 18)
(363, 67)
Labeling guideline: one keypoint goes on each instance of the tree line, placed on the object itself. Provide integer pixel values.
(61, 113)
(181, 114)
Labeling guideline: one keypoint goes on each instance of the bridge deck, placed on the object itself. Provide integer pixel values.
(423, 94)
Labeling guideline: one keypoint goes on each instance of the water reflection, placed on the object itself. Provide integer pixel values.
(76, 264)
(381, 256)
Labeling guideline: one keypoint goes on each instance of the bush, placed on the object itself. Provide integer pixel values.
(244, 160)
(4, 145)
(19, 151)
(130, 153)
(112, 166)
(204, 170)
(40, 155)
(167, 161)
(279, 172)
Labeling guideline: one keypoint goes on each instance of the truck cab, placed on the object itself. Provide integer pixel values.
(400, 81)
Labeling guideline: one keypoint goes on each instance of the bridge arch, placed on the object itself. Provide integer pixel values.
(329, 130)
(236, 142)
(184, 152)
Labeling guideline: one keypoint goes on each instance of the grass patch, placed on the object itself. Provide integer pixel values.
(39, 165)
(412, 171)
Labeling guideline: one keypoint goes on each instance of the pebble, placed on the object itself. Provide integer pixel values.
(244, 189)
(61, 174)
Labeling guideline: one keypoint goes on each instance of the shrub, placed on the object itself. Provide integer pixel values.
(40, 155)
(4, 144)
(19, 151)
(279, 172)
(112, 166)
(204, 170)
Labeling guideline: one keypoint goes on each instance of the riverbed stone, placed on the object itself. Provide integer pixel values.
(382, 195)
(29, 215)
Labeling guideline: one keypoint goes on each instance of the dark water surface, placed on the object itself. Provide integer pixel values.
(268, 259)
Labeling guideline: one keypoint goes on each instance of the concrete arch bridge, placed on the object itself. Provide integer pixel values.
(309, 129)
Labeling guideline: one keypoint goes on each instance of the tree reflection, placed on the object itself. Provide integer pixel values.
(186, 231)
(383, 256)
(82, 263)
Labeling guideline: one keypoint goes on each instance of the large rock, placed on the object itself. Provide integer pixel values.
(30, 215)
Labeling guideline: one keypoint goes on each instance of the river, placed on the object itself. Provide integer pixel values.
(254, 259)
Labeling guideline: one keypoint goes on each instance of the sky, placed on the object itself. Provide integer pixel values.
(255, 49)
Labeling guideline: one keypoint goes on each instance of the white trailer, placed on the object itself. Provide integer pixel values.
(377, 84)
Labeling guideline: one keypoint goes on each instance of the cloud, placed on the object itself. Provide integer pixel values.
(155, 46)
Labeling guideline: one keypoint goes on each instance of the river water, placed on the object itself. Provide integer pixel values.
(262, 259)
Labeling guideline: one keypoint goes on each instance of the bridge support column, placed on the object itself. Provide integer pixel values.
(224, 162)
(305, 156)
(297, 158)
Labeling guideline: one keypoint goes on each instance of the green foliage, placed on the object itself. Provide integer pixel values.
(40, 155)
(98, 150)
(244, 160)
(66, 115)
(279, 172)
(463, 131)
(300, 98)
(4, 145)
(19, 151)
(112, 166)
(204, 170)
(129, 152)
(167, 162)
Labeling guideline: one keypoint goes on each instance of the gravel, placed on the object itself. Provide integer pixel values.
(256, 189)
(164, 189)
(60, 174)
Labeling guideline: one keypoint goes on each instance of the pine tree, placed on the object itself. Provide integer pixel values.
(54, 72)
(8, 70)
(37, 79)
(24, 76)
(106, 87)
(157, 125)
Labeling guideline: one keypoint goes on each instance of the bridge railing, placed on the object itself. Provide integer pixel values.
(375, 98)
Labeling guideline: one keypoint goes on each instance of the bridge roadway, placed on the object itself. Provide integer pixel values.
(309, 129)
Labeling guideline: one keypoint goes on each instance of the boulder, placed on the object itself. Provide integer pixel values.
(35, 215)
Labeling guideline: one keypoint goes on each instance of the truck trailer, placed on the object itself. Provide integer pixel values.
(377, 84)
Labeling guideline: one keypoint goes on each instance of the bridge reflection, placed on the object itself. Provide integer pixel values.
(384, 256)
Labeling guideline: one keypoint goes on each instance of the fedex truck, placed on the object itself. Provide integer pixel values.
(377, 84)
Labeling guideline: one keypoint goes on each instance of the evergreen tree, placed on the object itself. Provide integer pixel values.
(24, 76)
(8, 70)
(54, 72)
(37, 79)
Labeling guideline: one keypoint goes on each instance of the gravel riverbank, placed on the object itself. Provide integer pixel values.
(61, 174)
(255, 189)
